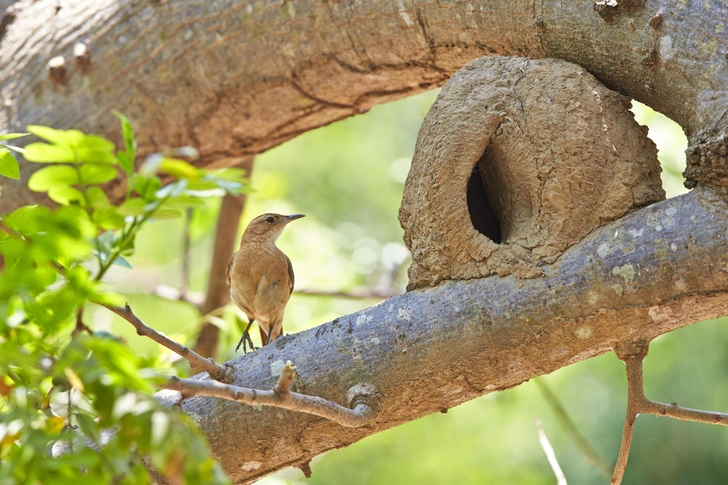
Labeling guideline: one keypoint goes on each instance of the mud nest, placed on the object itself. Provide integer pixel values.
(517, 160)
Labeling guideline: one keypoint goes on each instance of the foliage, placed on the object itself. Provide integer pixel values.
(77, 404)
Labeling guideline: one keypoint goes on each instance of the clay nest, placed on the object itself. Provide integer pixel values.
(517, 160)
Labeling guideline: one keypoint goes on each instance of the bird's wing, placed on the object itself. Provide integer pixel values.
(227, 270)
(290, 276)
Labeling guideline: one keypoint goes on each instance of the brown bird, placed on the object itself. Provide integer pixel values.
(260, 277)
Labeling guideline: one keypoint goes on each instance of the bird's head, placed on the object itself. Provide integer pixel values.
(267, 227)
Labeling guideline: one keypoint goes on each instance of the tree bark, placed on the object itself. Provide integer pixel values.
(234, 78)
(656, 270)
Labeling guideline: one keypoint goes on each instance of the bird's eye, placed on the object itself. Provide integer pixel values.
(269, 220)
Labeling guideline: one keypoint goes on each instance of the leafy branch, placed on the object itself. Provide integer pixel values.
(57, 374)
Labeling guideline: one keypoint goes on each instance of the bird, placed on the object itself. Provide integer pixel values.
(260, 277)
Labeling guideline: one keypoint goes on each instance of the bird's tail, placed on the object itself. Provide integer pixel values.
(277, 331)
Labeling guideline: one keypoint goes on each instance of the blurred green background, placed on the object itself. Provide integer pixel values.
(348, 179)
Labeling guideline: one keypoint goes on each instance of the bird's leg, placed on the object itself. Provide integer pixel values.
(245, 339)
(270, 332)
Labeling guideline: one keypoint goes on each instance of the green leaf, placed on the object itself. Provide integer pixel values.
(96, 149)
(97, 198)
(183, 201)
(9, 165)
(45, 153)
(53, 176)
(108, 298)
(126, 162)
(146, 186)
(166, 214)
(179, 168)
(97, 174)
(119, 261)
(88, 426)
(12, 136)
(127, 132)
(133, 207)
(65, 195)
(68, 138)
(108, 218)
(64, 175)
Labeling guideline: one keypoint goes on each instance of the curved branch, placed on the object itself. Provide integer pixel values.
(363, 397)
(342, 63)
(633, 355)
(432, 349)
(216, 371)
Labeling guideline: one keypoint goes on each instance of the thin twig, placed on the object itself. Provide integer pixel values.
(632, 358)
(80, 326)
(582, 444)
(362, 396)
(550, 454)
(216, 371)
(197, 299)
(633, 355)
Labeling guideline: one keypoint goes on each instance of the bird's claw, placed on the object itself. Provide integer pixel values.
(245, 340)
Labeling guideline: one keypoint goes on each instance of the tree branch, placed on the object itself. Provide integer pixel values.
(432, 349)
(633, 355)
(363, 397)
(332, 72)
(197, 299)
(216, 371)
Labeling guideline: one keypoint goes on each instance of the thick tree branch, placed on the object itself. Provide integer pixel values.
(658, 269)
(247, 89)
(216, 371)
(363, 397)
(633, 355)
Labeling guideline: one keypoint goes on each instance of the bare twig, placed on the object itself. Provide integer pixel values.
(80, 326)
(197, 299)
(579, 439)
(633, 354)
(363, 397)
(550, 454)
(216, 371)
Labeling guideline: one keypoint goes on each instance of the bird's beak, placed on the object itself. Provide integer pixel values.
(293, 217)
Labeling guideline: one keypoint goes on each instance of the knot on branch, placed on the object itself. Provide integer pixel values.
(707, 163)
(365, 394)
(632, 350)
(516, 161)
(610, 10)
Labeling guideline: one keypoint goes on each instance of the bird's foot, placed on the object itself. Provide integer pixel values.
(245, 340)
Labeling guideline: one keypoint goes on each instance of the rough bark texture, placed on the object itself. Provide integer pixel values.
(516, 161)
(235, 78)
(655, 270)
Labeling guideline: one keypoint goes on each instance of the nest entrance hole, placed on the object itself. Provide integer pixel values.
(482, 214)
